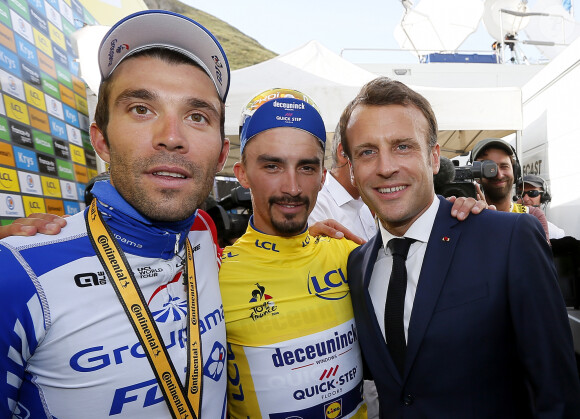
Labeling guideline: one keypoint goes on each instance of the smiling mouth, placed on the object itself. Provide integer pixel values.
(169, 174)
(391, 190)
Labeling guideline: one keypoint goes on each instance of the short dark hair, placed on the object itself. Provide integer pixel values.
(166, 55)
(383, 91)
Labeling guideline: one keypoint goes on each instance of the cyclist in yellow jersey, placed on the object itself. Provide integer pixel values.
(292, 342)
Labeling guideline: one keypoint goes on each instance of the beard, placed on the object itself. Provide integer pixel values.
(291, 224)
(497, 194)
(167, 205)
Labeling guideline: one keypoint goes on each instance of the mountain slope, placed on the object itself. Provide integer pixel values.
(242, 51)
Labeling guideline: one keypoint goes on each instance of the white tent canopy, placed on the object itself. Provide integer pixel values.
(465, 115)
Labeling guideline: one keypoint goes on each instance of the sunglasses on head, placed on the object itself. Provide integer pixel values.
(532, 194)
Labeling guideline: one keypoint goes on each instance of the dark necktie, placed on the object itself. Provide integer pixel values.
(395, 305)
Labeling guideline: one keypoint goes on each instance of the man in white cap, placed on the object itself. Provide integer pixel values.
(96, 320)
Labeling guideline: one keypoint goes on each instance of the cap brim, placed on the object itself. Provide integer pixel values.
(163, 29)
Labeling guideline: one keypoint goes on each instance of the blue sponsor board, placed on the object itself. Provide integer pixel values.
(81, 188)
(38, 5)
(53, 3)
(26, 50)
(73, 66)
(31, 74)
(59, 55)
(70, 115)
(57, 128)
(38, 21)
(25, 159)
(9, 61)
(71, 208)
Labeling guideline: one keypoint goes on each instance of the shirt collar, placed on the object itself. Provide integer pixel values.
(420, 230)
(338, 192)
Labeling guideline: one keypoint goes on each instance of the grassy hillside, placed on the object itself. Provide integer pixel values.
(242, 51)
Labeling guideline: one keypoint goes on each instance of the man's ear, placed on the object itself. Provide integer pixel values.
(223, 155)
(99, 143)
(240, 172)
(435, 158)
(323, 178)
(351, 173)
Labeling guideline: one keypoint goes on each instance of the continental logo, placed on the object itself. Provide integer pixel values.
(330, 285)
(46, 64)
(141, 319)
(326, 349)
(173, 392)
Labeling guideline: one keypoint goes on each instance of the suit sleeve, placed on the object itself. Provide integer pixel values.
(541, 324)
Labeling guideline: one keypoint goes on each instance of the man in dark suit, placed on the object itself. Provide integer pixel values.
(476, 327)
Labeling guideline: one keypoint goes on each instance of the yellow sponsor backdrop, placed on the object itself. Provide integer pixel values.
(8, 180)
(81, 105)
(16, 110)
(6, 155)
(42, 42)
(35, 97)
(57, 36)
(33, 204)
(7, 38)
(51, 186)
(54, 206)
(77, 154)
(39, 119)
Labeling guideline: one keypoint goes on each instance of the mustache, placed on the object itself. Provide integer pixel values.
(281, 200)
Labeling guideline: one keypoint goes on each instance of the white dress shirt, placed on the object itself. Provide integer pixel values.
(336, 203)
(420, 230)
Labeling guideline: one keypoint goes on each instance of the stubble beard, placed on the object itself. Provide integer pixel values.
(172, 205)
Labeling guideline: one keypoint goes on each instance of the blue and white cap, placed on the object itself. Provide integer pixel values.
(163, 29)
(276, 108)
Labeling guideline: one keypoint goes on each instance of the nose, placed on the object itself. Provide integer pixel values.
(291, 185)
(386, 164)
(169, 134)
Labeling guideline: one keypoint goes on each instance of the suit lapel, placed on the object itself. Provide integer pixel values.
(436, 263)
(370, 257)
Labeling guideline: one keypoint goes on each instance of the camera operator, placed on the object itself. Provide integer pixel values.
(534, 194)
(498, 190)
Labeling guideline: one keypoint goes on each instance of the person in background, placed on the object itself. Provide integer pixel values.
(498, 191)
(534, 194)
(339, 199)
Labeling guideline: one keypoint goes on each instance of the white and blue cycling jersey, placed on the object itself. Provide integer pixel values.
(67, 348)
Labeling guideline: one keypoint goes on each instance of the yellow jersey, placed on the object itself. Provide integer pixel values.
(292, 342)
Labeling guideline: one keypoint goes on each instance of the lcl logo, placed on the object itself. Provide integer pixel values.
(267, 246)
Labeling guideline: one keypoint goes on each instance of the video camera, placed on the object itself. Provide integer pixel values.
(455, 180)
(231, 225)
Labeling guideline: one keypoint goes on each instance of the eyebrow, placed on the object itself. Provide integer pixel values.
(266, 158)
(145, 94)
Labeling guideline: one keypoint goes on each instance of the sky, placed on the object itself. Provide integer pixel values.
(282, 26)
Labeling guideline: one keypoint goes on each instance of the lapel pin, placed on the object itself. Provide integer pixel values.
(445, 239)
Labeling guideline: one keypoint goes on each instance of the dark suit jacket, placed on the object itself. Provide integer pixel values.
(489, 335)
